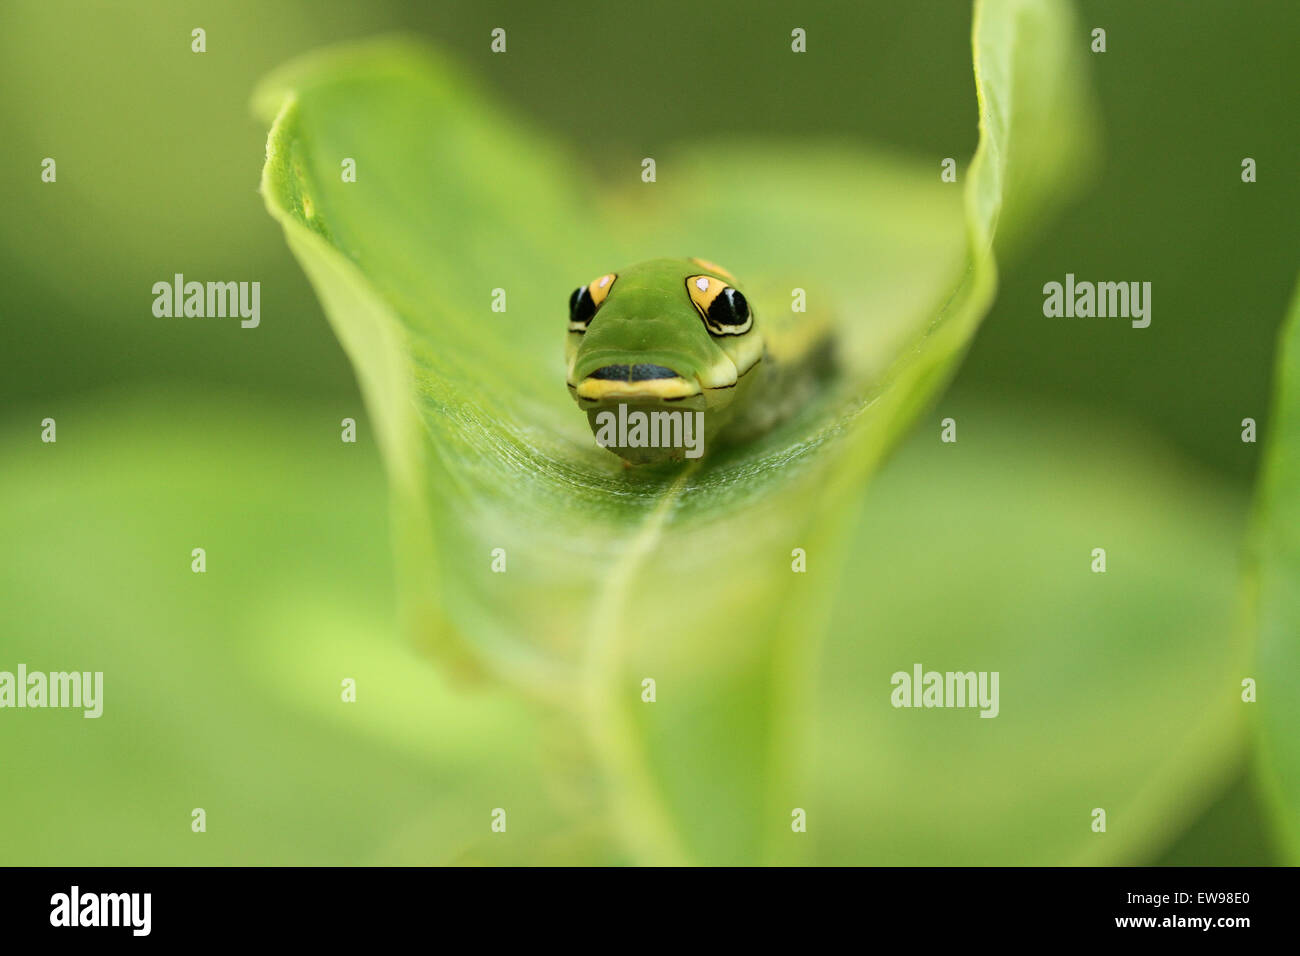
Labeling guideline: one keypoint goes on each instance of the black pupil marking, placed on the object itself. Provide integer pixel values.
(644, 373)
(729, 308)
(632, 373)
(581, 308)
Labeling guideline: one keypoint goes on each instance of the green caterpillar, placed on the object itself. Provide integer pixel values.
(673, 347)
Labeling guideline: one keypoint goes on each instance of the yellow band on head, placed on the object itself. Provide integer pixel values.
(655, 389)
(713, 267)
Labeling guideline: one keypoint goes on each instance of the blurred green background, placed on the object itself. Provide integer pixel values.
(158, 164)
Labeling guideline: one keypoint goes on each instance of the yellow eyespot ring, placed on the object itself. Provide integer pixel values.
(722, 307)
(599, 288)
(586, 299)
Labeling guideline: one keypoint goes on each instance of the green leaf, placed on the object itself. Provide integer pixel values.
(222, 690)
(1117, 691)
(1276, 592)
(614, 576)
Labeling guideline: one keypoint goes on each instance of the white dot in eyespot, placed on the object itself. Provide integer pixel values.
(604, 281)
(702, 284)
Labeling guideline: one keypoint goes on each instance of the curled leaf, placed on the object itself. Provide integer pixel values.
(680, 575)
